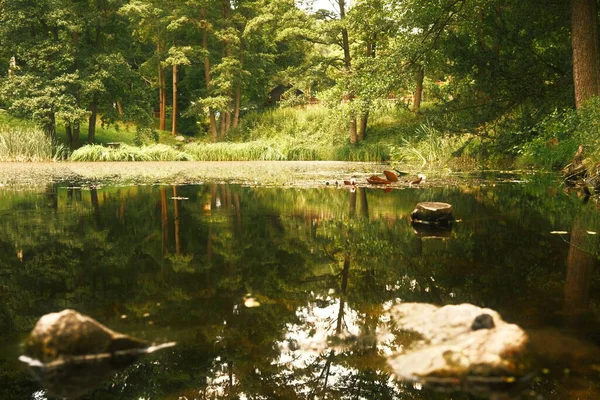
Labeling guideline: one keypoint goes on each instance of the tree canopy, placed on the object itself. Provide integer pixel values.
(202, 63)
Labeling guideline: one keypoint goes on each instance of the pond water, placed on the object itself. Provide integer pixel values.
(258, 286)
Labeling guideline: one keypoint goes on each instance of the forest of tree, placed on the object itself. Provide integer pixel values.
(195, 65)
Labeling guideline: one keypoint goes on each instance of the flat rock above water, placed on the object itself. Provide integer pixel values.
(456, 341)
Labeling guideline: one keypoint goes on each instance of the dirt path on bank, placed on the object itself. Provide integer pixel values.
(263, 173)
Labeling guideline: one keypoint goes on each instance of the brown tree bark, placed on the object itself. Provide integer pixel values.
(207, 77)
(174, 117)
(419, 90)
(584, 35)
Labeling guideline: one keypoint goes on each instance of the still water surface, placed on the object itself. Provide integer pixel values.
(252, 283)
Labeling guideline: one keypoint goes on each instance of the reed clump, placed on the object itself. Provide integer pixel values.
(157, 152)
(27, 144)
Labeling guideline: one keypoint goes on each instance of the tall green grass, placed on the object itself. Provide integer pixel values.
(158, 152)
(234, 151)
(27, 144)
(427, 147)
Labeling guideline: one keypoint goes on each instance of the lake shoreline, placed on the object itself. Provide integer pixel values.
(279, 173)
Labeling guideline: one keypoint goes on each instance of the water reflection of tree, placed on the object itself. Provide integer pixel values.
(289, 248)
(581, 264)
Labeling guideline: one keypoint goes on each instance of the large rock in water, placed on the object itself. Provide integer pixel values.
(456, 341)
(71, 353)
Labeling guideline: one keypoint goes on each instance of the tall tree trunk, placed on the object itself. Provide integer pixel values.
(162, 95)
(348, 67)
(207, 77)
(69, 135)
(161, 90)
(364, 119)
(76, 131)
(228, 54)
(222, 124)
(163, 100)
(236, 105)
(580, 268)
(584, 33)
(174, 117)
(353, 133)
(92, 120)
(419, 90)
(238, 89)
(362, 127)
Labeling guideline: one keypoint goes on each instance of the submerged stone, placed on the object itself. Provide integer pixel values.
(71, 353)
(456, 342)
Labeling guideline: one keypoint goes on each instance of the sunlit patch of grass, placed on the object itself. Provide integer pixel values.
(159, 152)
(257, 150)
(375, 152)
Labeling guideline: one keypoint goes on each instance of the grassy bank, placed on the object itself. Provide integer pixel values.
(293, 134)
(394, 135)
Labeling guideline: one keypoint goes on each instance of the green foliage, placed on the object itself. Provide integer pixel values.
(145, 136)
(255, 150)
(27, 144)
(428, 147)
(158, 152)
(559, 134)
